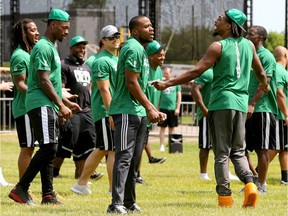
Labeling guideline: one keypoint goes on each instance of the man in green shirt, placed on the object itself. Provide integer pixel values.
(19, 68)
(281, 147)
(156, 55)
(231, 59)
(104, 72)
(170, 102)
(261, 122)
(44, 104)
(129, 108)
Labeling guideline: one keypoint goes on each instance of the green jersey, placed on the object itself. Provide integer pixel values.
(19, 64)
(282, 82)
(103, 68)
(152, 93)
(168, 98)
(44, 57)
(205, 80)
(231, 76)
(132, 57)
(91, 59)
(268, 102)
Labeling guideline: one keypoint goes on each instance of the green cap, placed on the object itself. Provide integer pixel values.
(237, 16)
(154, 47)
(76, 40)
(58, 14)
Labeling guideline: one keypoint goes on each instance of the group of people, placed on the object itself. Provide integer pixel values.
(238, 107)
(114, 122)
(53, 109)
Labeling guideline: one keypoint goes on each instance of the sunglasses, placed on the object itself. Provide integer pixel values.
(111, 38)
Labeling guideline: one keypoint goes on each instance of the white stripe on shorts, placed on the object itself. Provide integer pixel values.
(104, 133)
(277, 135)
(204, 133)
(28, 130)
(45, 128)
(267, 130)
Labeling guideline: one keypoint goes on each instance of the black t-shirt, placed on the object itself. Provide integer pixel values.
(77, 76)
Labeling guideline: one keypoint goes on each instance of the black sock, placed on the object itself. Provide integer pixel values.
(284, 175)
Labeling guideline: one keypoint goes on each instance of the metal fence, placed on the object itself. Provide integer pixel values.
(188, 123)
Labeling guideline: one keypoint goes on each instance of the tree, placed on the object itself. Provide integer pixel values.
(274, 39)
(87, 4)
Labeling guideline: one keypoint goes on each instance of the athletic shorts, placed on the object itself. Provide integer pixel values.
(82, 141)
(44, 122)
(260, 131)
(171, 120)
(24, 132)
(65, 146)
(281, 136)
(105, 135)
(204, 134)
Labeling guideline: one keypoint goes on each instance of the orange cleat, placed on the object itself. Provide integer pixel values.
(225, 201)
(250, 195)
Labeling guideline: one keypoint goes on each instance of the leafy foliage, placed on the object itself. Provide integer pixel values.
(274, 39)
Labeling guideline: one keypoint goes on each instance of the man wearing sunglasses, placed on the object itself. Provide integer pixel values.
(104, 70)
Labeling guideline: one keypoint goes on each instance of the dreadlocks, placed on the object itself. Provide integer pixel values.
(20, 34)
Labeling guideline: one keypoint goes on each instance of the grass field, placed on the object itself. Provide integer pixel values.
(174, 188)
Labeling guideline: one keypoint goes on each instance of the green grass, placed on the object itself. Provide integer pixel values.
(174, 188)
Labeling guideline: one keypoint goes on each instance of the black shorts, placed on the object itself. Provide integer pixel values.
(25, 132)
(171, 120)
(260, 131)
(105, 135)
(78, 136)
(204, 134)
(45, 125)
(281, 136)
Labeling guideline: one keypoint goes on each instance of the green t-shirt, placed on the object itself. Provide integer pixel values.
(168, 98)
(282, 82)
(103, 68)
(205, 80)
(268, 102)
(44, 57)
(231, 76)
(152, 93)
(132, 57)
(19, 64)
(91, 59)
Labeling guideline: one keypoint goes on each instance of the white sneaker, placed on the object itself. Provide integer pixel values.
(162, 148)
(233, 177)
(3, 182)
(81, 189)
(205, 176)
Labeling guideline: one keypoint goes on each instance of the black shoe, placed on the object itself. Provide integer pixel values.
(157, 160)
(50, 200)
(96, 176)
(134, 208)
(21, 196)
(116, 209)
(140, 180)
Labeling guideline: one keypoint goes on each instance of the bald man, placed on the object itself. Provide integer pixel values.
(281, 147)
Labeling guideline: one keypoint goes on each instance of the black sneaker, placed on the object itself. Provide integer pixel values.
(50, 200)
(139, 180)
(134, 208)
(116, 209)
(96, 176)
(157, 160)
(21, 196)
